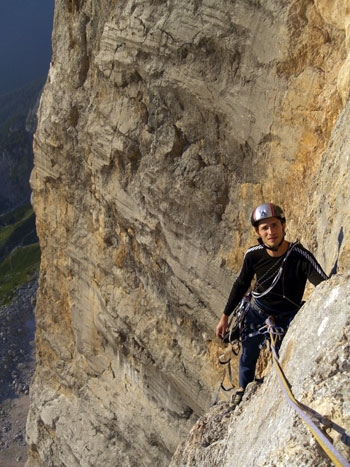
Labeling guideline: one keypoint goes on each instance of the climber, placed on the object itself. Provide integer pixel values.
(281, 270)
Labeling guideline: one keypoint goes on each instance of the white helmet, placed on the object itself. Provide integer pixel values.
(265, 211)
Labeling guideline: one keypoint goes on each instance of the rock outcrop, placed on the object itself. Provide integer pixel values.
(160, 126)
(265, 430)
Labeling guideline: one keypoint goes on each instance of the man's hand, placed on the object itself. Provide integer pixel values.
(222, 326)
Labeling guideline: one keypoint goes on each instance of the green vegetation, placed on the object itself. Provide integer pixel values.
(19, 251)
(19, 247)
(17, 229)
(17, 269)
(22, 212)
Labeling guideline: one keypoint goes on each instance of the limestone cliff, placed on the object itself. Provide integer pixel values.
(160, 126)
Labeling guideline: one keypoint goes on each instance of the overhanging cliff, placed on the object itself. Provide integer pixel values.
(160, 126)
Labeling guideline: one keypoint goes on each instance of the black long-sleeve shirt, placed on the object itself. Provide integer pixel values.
(298, 266)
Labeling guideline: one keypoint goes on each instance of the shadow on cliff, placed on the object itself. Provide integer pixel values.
(334, 269)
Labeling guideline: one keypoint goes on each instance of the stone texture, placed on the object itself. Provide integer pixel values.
(264, 430)
(338, 14)
(17, 356)
(160, 126)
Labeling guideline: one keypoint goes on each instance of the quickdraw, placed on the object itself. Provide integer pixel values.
(235, 326)
(233, 338)
(277, 331)
(224, 359)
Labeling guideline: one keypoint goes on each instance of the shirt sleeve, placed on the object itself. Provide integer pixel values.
(240, 286)
(314, 272)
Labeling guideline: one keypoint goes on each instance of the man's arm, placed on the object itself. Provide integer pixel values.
(315, 273)
(239, 288)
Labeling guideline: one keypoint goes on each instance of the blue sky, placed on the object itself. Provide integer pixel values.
(25, 41)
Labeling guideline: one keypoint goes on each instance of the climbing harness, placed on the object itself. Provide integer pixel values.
(303, 410)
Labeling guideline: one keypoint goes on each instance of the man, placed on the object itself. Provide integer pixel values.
(281, 270)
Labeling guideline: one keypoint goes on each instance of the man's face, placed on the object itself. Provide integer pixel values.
(271, 231)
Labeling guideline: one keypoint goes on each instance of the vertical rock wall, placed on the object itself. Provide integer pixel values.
(160, 126)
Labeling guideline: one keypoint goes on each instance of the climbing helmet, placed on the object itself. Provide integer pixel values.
(266, 210)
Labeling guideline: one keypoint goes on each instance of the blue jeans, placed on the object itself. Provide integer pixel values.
(251, 345)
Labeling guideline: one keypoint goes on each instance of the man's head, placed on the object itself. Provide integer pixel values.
(269, 222)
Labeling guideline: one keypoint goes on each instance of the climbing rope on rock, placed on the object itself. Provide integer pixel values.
(303, 410)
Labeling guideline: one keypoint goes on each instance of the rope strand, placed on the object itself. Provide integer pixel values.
(320, 437)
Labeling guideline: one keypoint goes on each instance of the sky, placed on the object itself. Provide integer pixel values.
(25, 42)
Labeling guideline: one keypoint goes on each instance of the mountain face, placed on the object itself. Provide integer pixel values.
(161, 126)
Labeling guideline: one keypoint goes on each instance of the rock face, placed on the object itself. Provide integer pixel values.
(161, 125)
(264, 430)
